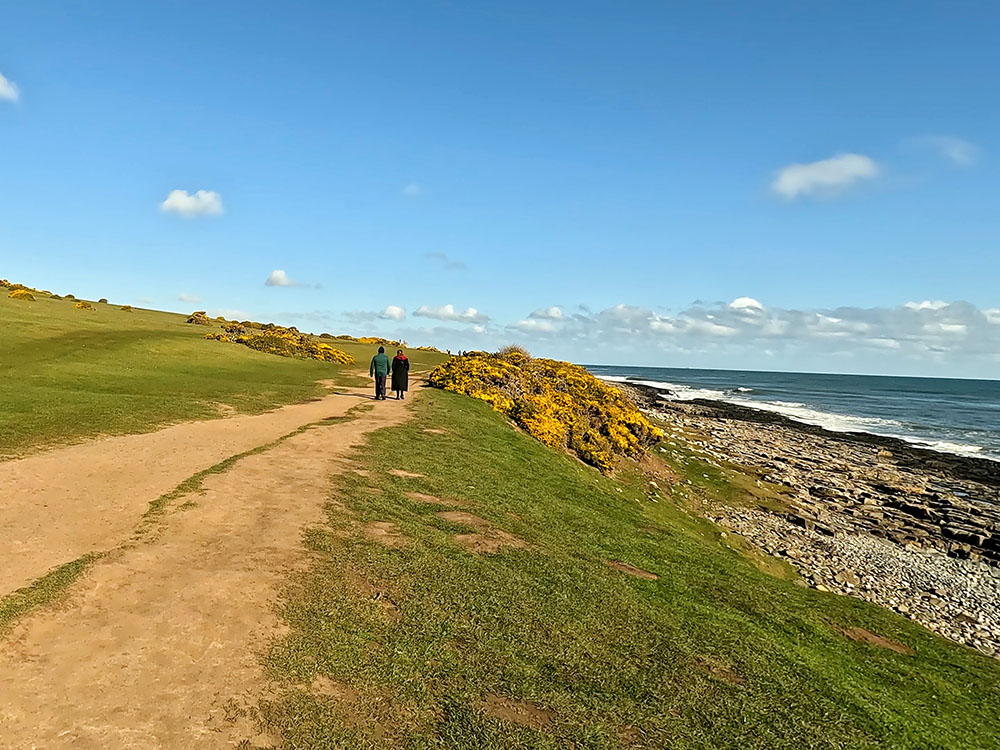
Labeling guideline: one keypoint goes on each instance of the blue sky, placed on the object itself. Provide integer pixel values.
(599, 181)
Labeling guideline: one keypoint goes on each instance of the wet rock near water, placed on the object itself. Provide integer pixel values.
(959, 599)
(874, 517)
(854, 482)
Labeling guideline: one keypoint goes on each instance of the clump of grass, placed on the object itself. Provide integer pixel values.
(42, 592)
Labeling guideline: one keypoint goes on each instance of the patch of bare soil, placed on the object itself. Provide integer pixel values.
(157, 645)
(463, 518)
(525, 713)
(385, 532)
(718, 670)
(405, 474)
(421, 497)
(435, 431)
(866, 636)
(323, 685)
(631, 570)
(487, 540)
(64, 503)
(489, 543)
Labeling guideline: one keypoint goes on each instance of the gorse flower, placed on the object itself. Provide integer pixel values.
(285, 342)
(83, 305)
(558, 403)
(22, 294)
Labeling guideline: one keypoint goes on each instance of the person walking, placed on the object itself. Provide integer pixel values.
(400, 374)
(379, 369)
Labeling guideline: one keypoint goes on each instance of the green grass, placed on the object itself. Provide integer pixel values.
(46, 590)
(714, 654)
(67, 374)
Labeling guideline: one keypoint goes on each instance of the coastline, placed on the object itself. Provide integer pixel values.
(910, 528)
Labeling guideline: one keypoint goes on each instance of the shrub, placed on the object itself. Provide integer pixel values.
(127, 308)
(199, 318)
(285, 342)
(558, 403)
(4, 283)
(69, 296)
(83, 305)
(102, 301)
(514, 349)
(22, 294)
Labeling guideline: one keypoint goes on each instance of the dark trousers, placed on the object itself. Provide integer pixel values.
(380, 386)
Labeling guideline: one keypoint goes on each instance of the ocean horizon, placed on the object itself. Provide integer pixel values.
(951, 415)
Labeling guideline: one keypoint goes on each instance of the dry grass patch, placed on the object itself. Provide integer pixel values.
(631, 570)
(525, 713)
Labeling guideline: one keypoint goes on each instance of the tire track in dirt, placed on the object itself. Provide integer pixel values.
(160, 636)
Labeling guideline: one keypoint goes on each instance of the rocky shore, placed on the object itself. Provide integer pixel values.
(874, 517)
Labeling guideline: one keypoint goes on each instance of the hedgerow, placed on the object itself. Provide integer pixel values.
(559, 403)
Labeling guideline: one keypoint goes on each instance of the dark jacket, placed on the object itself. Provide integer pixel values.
(379, 366)
(400, 373)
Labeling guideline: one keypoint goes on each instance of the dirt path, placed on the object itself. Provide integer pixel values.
(157, 638)
(61, 504)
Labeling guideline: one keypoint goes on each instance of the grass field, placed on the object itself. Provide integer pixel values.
(612, 618)
(66, 373)
(427, 645)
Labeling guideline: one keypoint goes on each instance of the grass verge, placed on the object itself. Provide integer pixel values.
(402, 637)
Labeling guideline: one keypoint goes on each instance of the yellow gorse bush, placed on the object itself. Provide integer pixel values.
(285, 342)
(559, 403)
(83, 305)
(22, 294)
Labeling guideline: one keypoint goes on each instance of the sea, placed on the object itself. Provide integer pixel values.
(943, 414)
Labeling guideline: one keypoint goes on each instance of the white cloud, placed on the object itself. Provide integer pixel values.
(9, 92)
(931, 331)
(825, 177)
(412, 190)
(393, 312)
(536, 325)
(230, 313)
(926, 305)
(277, 277)
(745, 303)
(451, 264)
(187, 297)
(449, 313)
(956, 150)
(549, 313)
(201, 203)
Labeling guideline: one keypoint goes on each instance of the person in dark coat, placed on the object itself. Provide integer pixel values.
(379, 369)
(400, 374)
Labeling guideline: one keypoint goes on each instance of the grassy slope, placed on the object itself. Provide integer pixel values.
(714, 654)
(67, 373)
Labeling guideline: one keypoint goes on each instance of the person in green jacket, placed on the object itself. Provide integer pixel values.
(379, 370)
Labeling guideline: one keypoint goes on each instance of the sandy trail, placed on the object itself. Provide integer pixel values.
(63, 503)
(157, 637)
